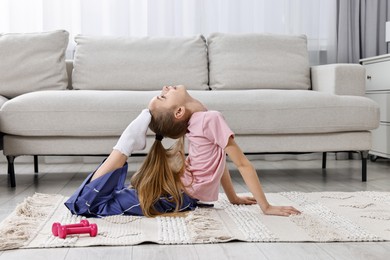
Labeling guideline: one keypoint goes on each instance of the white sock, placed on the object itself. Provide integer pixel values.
(134, 136)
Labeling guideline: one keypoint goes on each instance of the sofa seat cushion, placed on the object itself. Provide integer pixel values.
(248, 112)
(251, 112)
(72, 112)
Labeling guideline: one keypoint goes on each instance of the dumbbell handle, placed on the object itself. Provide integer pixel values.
(55, 227)
(92, 230)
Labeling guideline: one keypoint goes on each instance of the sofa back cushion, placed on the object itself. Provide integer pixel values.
(258, 61)
(147, 63)
(32, 61)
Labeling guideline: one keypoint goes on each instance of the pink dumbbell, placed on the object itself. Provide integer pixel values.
(55, 227)
(92, 230)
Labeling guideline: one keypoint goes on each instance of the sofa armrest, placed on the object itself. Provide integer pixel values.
(339, 79)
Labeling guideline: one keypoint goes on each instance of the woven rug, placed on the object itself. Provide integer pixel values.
(326, 217)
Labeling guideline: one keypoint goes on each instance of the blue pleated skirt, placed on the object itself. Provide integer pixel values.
(108, 195)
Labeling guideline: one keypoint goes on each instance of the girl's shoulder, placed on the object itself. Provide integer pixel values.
(203, 118)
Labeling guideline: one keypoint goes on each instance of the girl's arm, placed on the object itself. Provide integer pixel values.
(249, 175)
(231, 194)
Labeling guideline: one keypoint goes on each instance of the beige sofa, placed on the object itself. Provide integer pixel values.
(263, 84)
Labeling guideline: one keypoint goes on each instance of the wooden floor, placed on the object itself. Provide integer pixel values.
(276, 176)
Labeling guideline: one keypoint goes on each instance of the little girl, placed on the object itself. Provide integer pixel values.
(167, 182)
(175, 113)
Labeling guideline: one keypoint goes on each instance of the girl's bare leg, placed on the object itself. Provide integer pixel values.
(133, 138)
(114, 161)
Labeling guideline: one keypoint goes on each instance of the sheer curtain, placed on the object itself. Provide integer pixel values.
(315, 18)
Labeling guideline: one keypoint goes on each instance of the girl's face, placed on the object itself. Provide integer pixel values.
(171, 97)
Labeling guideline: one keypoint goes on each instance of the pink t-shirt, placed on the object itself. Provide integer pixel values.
(208, 135)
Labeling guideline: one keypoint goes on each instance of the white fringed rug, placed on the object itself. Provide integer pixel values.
(326, 217)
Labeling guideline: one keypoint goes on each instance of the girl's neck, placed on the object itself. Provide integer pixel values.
(195, 105)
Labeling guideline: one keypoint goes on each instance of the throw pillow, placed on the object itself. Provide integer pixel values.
(32, 62)
(145, 63)
(258, 61)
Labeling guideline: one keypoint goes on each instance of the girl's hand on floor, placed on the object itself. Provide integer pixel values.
(281, 211)
(243, 200)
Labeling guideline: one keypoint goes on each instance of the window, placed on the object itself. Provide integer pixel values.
(315, 18)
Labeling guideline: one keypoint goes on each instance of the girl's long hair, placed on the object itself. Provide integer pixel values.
(162, 168)
(159, 176)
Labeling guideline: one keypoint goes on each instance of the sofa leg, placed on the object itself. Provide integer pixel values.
(364, 155)
(36, 163)
(11, 170)
(324, 160)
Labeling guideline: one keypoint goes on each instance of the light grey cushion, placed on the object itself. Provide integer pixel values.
(250, 112)
(264, 111)
(258, 61)
(32, 62)
(73, 113)
(148, 63)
